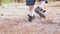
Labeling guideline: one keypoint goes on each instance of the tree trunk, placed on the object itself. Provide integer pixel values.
(0, 2)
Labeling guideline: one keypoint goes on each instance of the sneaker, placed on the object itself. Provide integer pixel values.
(31, 18)
(40, 14)
(38, 11)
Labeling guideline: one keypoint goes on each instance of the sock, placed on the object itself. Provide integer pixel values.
(31, 13)
(42, 4)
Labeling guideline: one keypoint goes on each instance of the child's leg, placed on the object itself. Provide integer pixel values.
(31, 13)
(41, 4)
(30, 4)
(40, 9)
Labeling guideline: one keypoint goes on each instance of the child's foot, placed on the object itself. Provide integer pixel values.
(31, 18)
(40, 14)
(38, 10)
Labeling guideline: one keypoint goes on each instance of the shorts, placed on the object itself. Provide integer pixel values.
(31, 2)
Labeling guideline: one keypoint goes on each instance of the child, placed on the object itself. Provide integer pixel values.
(31, 3)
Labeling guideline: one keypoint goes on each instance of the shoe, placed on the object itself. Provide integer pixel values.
(40, 14)
(30, 19)
(39, 10)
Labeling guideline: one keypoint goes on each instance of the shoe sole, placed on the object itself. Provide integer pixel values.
(31, 18)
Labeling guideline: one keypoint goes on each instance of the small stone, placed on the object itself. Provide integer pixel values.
(2, 14)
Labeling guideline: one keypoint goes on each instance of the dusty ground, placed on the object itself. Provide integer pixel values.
(14, 20)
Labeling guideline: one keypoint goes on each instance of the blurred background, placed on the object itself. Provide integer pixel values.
(14, 19)
(17, 1)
